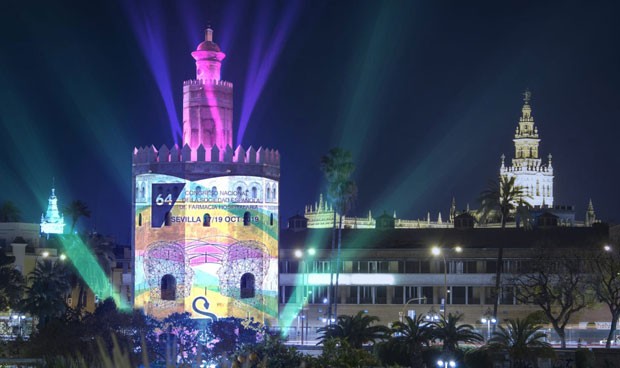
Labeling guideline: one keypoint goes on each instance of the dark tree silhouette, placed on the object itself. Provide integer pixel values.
(76, 210)
(338, 166)
(45, 297)
(557, 284)
(606, 281)
(11, 283)
(9, 212)
(503, 198)
(415, 334)
(523, 340)
(451, 333)
(356, 330)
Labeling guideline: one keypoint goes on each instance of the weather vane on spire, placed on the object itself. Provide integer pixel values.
(527, 95)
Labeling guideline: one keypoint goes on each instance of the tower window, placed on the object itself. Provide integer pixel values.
(206, 220)
(246, 218)
(271, 220)
(254, 192)
(168, 287)
(139, 219)
(247, 286)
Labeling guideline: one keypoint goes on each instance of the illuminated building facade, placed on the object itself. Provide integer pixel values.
(530, 173)
(205, 219)
(389, 272)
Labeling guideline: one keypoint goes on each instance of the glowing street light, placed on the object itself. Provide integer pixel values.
(446, 363)
(432, 316)
(437, 251)
(488, 319)
(607, 248)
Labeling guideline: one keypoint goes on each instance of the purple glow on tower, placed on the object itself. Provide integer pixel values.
(263, 60)
(148, 30)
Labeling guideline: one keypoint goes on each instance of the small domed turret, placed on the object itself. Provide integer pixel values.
(208, 44)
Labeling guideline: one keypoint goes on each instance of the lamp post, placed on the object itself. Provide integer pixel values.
(19, 318)
(299, 254)
(402, 312)
(488, 319)
(437, 251)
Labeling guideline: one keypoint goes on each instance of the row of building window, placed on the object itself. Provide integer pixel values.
(404, 266)
(467, 295)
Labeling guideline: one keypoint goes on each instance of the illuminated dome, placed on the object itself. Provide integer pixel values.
(208, 44)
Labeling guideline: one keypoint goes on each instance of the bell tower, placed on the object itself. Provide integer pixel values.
(532, 175)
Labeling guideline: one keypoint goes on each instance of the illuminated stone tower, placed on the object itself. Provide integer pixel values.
(208, 100)
(534, 177)
(52, 222)
(205, 234)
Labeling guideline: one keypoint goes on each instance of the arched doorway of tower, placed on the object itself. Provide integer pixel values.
(247, 287)
(168, 287)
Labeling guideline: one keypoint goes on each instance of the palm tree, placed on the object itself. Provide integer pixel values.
(75, 210)
(338, 166)
(356, 330)
(415, 334)
(49, 284)
(11, 283)
(9, 212)
(523, 341)
(451, 333)
(503, 197)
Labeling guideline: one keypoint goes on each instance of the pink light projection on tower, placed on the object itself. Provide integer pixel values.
(208, 100)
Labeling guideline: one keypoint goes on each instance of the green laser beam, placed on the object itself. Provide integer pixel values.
(89, 269)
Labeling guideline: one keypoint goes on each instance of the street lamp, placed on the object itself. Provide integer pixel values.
(402, 312)
(607, 248)
(19, 318)
(488, 319)
(446, 363)
(437, 251)
(304, 289)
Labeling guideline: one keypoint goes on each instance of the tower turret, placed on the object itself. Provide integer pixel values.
(208, 58)
(52, 222)
(590, 215)
(208, 100)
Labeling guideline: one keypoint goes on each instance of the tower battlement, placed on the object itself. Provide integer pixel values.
(207, 82)
(150, 154)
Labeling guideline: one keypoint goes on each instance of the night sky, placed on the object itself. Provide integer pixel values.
(426, 95)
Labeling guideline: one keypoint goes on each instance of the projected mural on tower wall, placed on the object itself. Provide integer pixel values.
(208, 247)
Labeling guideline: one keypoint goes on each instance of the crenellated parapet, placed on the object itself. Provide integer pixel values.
(150, 154)
(210, 82)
